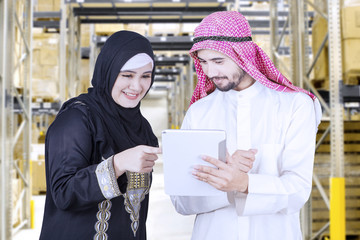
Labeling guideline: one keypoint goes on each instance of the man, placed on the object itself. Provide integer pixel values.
(271, 128)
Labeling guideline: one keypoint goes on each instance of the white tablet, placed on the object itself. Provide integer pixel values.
(182, 150)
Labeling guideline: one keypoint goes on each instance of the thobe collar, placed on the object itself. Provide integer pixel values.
(247, 93)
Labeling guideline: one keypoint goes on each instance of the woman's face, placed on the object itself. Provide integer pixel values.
(131, 86)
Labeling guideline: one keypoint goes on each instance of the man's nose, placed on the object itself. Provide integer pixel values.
(212, 71)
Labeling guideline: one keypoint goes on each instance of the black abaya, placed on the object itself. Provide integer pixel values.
(87, 130)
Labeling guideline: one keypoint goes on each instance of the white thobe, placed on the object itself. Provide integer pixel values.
(282, 127)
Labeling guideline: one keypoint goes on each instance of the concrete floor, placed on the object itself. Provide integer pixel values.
(163, 223)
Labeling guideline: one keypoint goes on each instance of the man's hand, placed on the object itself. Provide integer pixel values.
(241, 159)
(229, 176)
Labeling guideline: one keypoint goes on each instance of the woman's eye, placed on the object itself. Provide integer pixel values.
(218, 62)
(126, 75)
(147, 76)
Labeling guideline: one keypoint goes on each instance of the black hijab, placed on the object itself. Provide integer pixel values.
(123, 127)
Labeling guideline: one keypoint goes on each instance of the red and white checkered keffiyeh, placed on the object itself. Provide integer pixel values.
(229, 32)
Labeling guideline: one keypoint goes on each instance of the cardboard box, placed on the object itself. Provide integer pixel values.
(45, 88)
(57, 5)
(16, 190)
(44, 6)
(84, 75)
(346, 3)
(36, 67)
(139, 28)
(351, 61)
(321, 68)
(37, 71)
(50, 72)
(49, 55)
(108, 29)
(85, 35)
(350, 21)
(38, 177)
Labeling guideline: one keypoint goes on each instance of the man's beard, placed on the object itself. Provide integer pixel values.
(230, 85)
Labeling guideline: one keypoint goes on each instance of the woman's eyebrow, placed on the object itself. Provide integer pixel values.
(130, 71)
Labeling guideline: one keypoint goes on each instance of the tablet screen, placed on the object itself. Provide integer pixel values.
(182, 150)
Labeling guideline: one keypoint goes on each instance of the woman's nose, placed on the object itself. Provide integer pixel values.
(135, 84)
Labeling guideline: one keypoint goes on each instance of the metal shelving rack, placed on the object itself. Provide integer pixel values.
(15, 69)
(92, 11)
(147, 12)
(300, 72)
(337, 180)
(75, 12)
(85, 12)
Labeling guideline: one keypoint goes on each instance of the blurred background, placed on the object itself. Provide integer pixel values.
(48, 50)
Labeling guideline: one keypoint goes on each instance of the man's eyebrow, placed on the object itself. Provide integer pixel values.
(213, 59)
(217, 58)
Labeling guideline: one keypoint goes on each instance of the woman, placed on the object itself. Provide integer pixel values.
(100, 150)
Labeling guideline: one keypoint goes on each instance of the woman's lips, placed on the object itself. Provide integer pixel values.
(131, 96)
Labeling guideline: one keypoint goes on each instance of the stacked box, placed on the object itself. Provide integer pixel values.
(139, 28)
(48, 5)
(45, 67)
(84, 75)
(350, 20)
(108, 29)
(164, 29)
(56, 5)
(321, 68)
(85, 35)
(44, 6)
(350, 37)
(16, 190)
(38, 169)
(38, 177)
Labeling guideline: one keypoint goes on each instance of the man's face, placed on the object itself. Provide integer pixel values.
(223, 71)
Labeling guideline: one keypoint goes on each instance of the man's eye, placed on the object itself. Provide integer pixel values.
(218, 62)
(147, 76)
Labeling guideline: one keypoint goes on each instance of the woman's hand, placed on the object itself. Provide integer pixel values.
(229, 176)
(139, 159)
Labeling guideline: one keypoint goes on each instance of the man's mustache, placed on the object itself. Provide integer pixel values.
(218, 78)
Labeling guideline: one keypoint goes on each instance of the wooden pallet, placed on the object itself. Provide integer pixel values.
(322, 168)
(351, 137)
(349, 236)
(320, 212)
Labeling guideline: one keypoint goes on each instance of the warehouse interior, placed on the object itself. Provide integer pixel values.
(48, 51)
